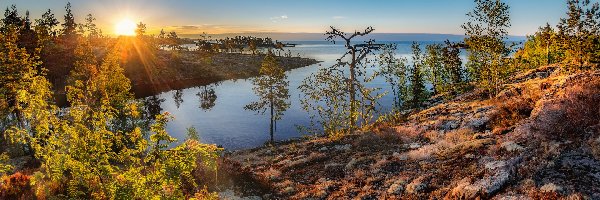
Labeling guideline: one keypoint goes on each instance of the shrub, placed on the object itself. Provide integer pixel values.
(16, 186)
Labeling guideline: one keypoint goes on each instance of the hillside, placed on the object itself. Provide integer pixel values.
(539, 138)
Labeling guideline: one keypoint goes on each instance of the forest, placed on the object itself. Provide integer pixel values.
(511, 119)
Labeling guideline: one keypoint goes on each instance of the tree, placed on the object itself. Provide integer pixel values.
(542, 48)
(434, 69)
(140, 29)
(580, 33)
(25, 96)
(11, 18)
(417, 81)
(394, 71)
(338, 93)
(47, 24)
(486, 31)
(252, 46)
(453, 65)
(93, 32)
(272, 89)
(69, 26)
(173, 40)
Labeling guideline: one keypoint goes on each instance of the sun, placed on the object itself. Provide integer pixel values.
(125, 27)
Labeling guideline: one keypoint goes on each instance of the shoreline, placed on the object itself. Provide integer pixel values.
(190, 69)
(193, 70)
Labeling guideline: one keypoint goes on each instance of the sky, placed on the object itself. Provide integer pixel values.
(295, 16)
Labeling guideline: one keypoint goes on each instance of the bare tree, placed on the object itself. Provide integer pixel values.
(346, 99)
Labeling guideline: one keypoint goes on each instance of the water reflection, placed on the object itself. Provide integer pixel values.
(152, 106)
(178, 98)
(207, 96)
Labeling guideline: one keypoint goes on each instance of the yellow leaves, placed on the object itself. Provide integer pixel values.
(134, 110)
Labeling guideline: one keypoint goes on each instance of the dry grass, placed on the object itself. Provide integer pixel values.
(518, 106)
(574, 114)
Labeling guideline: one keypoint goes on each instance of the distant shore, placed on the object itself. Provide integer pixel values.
(191, 69)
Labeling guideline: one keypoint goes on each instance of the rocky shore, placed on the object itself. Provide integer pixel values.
(538, 139)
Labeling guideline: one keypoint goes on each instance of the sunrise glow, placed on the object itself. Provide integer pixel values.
(125, 27)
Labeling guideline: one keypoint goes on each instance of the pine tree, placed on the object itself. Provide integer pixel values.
(417, 81)
(92, 30)
(47, 24)
(272, 89)
(11, 19)
(579, 34)
(69, 26)
(453, 65)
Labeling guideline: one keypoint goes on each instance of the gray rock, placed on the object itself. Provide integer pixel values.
(512, 146)
(289, 190)
(414, 145)
(542, 74)
(478, 123)
(351, 164)
(450, 125)
(501, 172)
(345, 147)
(230, 195)
(396, 189)
(551, 187)
(417, 186)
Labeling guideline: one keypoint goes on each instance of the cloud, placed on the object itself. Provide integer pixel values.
(338, 17)
(210, 28)
(279, 18)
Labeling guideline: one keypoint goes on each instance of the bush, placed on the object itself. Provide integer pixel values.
(16, 186)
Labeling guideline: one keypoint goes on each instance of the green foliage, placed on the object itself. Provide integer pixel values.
(192, 134)
(101, 147)
(395, 72)
(418, 92)
(580, 34)
(337, 97)
(4, 166)
(47, 24)
(542, 48)
(453, 65)
(486, 31)
(272, 89)
(443, 67)
(434, 68)
(69, 27)
(25, 93)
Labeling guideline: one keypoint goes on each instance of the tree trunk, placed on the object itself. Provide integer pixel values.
(271, 125)
(352, 91)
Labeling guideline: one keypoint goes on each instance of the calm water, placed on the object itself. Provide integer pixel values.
(221, 119)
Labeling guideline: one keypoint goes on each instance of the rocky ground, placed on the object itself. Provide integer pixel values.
(538, 139)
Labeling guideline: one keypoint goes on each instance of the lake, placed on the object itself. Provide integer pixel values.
(216, 111)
